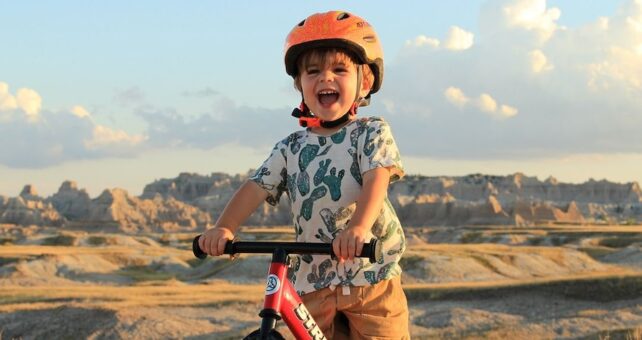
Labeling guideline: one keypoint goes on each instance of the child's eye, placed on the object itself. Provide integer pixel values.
(340, 69)
(312, 71)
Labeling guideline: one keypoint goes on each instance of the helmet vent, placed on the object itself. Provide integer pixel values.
(370, 38)
(301, 23)
(343, 16)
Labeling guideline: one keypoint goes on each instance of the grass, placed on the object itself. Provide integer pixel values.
(626, 334)
(97, 240)
(620, 241)
(14, 298)
(597, 252)
(602, 287)
(145, 273)
(411, 262)
(8, 260)
(60, 240)
(471, 237)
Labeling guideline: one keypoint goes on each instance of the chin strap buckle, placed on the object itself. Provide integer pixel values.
(305, 118)
(310, 122)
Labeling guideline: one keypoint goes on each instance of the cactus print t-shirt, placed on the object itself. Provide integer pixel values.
(322, 176)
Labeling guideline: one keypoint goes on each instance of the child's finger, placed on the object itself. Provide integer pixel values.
(336, 248)
(351, 247)
(359, 248)
(219, 246)
(344, 249)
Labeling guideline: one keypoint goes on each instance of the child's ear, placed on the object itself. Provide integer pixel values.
(366, 86)
(297, 83)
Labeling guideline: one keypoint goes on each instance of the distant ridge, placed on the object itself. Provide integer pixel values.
(192, 201)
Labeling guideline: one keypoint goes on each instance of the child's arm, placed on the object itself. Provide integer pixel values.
(246, 199)
(374, 190)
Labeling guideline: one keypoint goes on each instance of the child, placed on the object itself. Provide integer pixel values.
(336, 174)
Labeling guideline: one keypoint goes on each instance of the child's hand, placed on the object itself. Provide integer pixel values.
(213, 241)
(349, 243)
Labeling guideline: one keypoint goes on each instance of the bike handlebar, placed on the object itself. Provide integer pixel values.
(369, 249)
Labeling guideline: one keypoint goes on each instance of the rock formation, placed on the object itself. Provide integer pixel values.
(191, 201)
(29, 209)
(70, 201)
(116, 208)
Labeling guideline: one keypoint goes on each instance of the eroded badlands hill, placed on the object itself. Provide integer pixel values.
(191, 201)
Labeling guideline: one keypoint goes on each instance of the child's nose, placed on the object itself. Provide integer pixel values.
(326, 75)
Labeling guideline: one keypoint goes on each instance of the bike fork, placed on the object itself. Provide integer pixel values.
(282, 302)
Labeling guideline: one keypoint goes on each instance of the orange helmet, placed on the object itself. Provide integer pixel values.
(336, 29)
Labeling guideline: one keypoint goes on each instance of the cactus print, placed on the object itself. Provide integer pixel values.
(323, 176)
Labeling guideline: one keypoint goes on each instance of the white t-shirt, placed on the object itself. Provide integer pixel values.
(323, 178)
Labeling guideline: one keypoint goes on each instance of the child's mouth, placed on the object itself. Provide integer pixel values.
(328, 97)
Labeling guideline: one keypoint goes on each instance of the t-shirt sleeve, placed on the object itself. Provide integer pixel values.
(272, 175)
(380, 150)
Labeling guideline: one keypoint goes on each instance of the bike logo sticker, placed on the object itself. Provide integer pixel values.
(273, 284)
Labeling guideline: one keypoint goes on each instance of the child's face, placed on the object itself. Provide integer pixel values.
(330, 88)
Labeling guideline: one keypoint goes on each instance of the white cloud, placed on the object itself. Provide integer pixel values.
(620, 67)
(41, 138)
(458, 39)
(7, 101)
(30, 102)
(80, 111)
(484, 103)
(423, 40)
(26, 103)
(539, 61)
(532, 15)
(103, 137)
(456, 96)
(579, 86)
(507, 111)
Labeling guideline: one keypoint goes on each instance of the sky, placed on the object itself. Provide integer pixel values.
(119, 93)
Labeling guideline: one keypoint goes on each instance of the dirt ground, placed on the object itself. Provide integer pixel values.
(548, 282)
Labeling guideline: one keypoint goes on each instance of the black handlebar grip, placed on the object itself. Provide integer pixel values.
(369, 249)
(196, 249)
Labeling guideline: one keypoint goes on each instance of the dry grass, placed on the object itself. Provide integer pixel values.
(14, 298)
(22, 250)
(601, 286)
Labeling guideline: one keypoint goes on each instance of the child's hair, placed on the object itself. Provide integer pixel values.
(324, 55)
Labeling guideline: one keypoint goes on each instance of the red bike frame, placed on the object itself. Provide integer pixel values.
(281, 300)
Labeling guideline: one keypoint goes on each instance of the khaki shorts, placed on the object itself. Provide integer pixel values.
(369, 312)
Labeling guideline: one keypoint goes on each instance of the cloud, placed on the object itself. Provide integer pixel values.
(423, 40)
(225, 123)
(80, 111)
(129, 97)
(202, 93)
(456, 96)
(528, 87)
(26, 101)
(484, 103)
(40, 137)
(7, 101)
(532, 15)
(105, 137)
(531, 20)
(457, 39)
(539, 61)
(33, 137)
